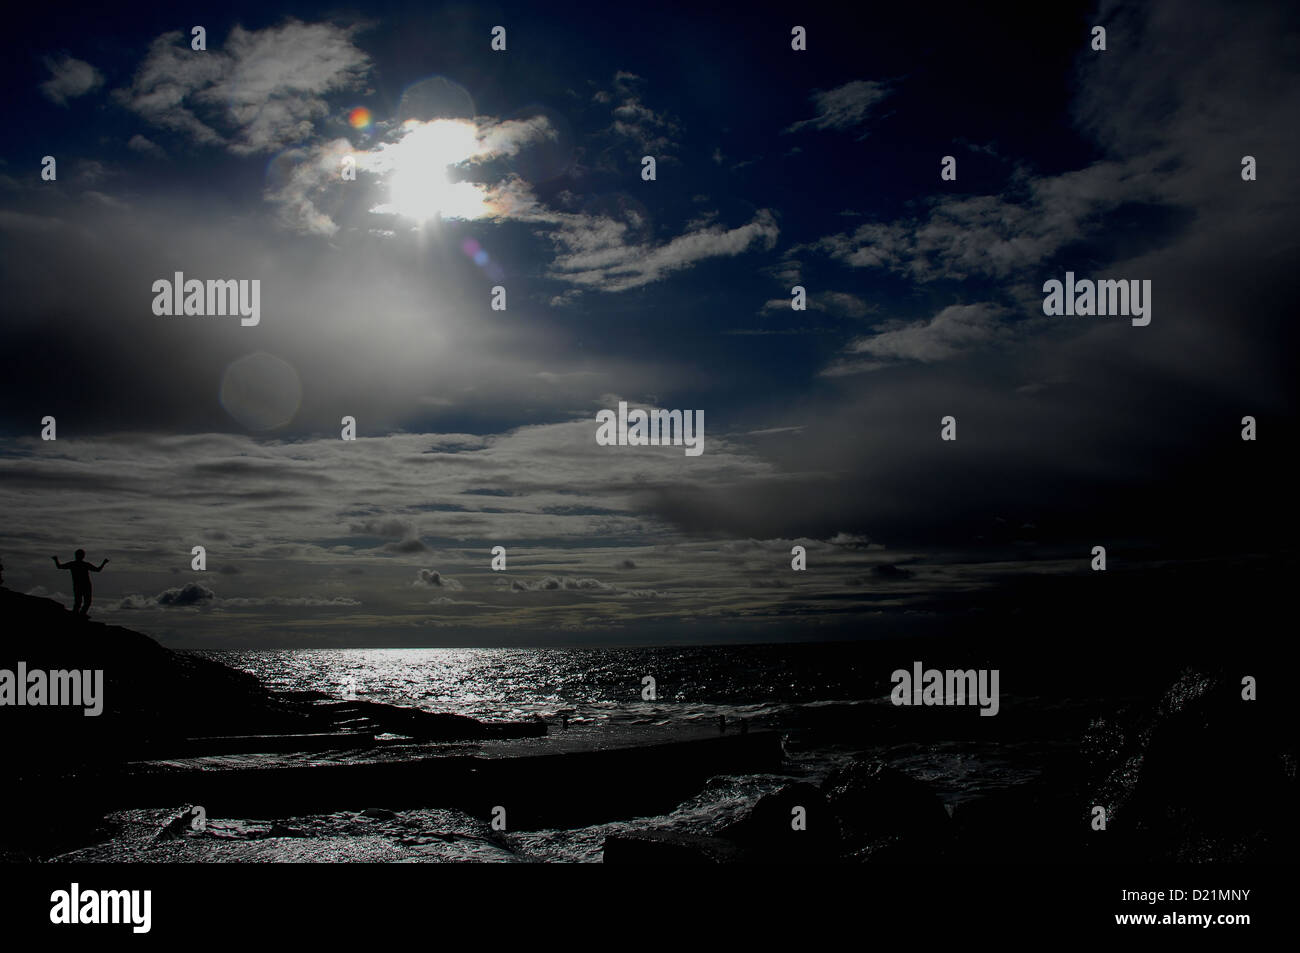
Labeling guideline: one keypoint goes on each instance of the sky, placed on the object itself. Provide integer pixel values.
(522, 169)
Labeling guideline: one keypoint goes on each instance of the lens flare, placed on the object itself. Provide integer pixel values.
(478, 254)
(359, 118)
(261, 391)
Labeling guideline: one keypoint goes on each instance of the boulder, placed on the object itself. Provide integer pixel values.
(791, 824)
(1212, 778)
(874, 802)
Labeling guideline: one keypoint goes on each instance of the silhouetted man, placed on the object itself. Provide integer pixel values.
(81, 571)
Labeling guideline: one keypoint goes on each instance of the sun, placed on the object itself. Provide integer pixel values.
(420, 185)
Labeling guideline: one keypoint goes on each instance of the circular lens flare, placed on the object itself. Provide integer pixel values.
(261, 391)
(359, 118)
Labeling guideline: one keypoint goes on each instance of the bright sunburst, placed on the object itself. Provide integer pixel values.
(420, 185)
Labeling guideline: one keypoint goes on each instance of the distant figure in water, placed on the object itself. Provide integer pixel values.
(722, 723)
(81, 571)
(564, 721)
(744, 726)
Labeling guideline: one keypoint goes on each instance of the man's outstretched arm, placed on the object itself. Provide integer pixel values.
(57, 563)
(100, 566)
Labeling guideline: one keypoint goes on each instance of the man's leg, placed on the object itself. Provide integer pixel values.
(78, 597)
(85, 603)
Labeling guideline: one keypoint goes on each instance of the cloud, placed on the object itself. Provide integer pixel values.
(852, 541)
(408, 546)
(844, 107)
(260, 93)
(995, 236)
(69, 78)
(562, 583)
(192, 594)
(608, 251)
(890, 571)
(652, 132)
(391, 527)
(403, 533)
(954, 330)
(314, 602)
(838, 303)
(195, 595)
(432, 579)
(139, 143)
(594, 252)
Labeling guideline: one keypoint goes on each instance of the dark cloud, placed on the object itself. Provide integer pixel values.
(408, 546)
(560, 584)
(191, 594)
(890, 571)
(432, 579)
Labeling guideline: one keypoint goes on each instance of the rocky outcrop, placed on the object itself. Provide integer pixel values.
(1208, 775)
(883, 813)
(61, 763)
(792, 824)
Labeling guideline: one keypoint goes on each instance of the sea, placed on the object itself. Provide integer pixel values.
(590, 695)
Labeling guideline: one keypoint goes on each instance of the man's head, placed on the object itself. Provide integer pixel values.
(81, 554)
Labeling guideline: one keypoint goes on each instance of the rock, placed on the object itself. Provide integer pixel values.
(669, 847)
(65, 770)
(874, 802)
(1212, 778)
(768, 828)
(153, 699)
(180, 824)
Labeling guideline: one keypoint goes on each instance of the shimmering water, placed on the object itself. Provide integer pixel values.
(601, 692)
(594, 686)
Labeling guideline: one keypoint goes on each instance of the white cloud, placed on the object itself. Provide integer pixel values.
(844, 107)
(69, 78)
(954, 330)
(838, 303)
(139, 143)
(594, 252)
(989, 235)
(652, 132)
(260, 93)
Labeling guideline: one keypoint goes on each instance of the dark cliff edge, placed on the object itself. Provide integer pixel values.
(154, 703)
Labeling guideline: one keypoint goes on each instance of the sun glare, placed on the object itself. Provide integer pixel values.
(420, 186)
